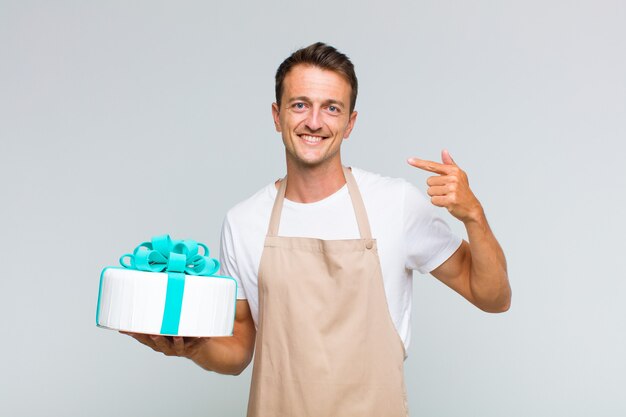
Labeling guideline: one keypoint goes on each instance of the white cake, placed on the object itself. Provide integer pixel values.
(134, 301)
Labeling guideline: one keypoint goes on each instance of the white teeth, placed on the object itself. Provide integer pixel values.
(311, 139)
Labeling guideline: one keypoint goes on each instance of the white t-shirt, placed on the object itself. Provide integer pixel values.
(409, 233)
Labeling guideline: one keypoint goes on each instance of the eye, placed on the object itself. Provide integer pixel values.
(298, 106)
(333, 109)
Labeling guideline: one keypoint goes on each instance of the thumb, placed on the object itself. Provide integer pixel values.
(446, 158)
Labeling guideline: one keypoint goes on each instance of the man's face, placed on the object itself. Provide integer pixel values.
(314, 116)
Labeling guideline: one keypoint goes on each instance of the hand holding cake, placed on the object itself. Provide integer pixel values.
(224, 355)
(170, 345)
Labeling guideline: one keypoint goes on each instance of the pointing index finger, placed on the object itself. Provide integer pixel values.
(430, 166)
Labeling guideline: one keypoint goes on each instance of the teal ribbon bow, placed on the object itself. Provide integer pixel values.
(177, 258)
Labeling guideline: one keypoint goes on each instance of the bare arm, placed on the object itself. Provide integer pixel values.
(224, 355)
(477, 270)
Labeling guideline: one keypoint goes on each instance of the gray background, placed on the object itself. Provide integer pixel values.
(121, 121)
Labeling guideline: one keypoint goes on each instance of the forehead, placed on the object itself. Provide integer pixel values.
(316, 83)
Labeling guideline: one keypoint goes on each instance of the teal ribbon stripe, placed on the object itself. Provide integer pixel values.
(177, 258)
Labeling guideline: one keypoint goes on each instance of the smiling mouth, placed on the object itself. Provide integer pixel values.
(311, 140)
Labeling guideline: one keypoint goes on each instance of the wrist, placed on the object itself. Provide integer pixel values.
(475, 216)
(197, 353)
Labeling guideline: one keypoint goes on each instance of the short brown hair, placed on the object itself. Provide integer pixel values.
(323, 56)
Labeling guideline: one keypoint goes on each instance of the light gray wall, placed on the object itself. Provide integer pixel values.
(122, 120)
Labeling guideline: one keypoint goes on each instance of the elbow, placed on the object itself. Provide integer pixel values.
(237, 370)
(495, 309)
(227, 365)
(496, 300)
(500, 304)
(507, 305)
(503, 308)
(239, 366)
(233, 369)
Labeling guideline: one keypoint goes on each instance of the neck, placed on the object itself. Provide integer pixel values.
(311, 184)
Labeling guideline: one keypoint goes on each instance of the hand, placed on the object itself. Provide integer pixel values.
(450, 189)
(185, 347)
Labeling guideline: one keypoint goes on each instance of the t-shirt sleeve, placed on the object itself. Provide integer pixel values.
(429, 240)
(228, 259)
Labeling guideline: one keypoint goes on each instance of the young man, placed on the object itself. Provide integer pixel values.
(324, 260)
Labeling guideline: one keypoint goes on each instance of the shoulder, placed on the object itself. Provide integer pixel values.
(253, 208)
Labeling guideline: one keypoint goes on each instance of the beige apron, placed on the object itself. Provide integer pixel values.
(326, 345)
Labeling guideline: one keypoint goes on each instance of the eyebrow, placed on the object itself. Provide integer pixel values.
(326, 102)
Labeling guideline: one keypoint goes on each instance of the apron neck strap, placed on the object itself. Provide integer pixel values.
(278, 208)
(357, 204)
(355, 196)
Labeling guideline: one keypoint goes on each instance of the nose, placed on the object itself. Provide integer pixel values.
(314, 119)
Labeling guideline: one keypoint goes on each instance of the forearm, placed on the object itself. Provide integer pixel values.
(489, 283)
(224, 355)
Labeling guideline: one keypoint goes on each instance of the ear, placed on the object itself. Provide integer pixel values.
(351, 122)
(276, 116)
